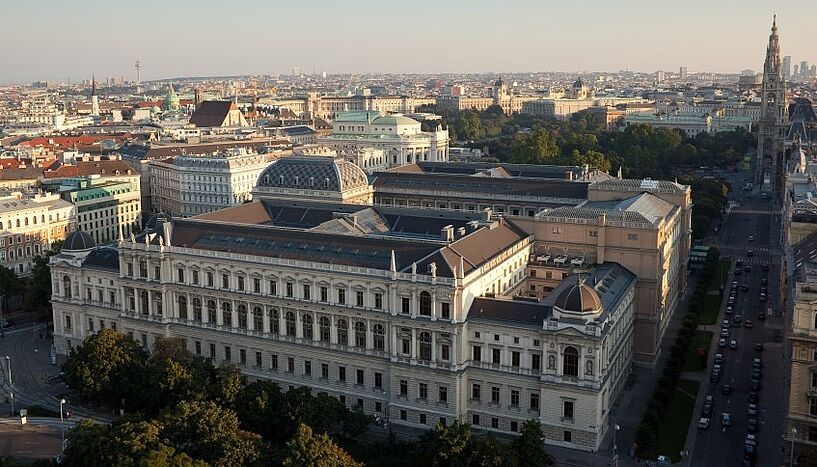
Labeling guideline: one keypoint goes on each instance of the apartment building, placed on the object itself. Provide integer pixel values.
(29, 226)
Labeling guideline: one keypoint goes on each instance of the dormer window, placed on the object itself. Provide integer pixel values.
(311, 181)
(281, 180)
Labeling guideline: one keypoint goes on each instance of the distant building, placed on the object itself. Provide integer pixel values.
(217, 114)
(105, 207)
(29, 226)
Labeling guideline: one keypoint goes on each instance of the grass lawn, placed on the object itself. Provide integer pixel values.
(712, 306)
(673, 431)
(694, 362)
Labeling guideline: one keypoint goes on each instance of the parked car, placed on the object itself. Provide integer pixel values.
(759, 347)
(703, 423)
(756, 374)
(733, 344)
(750, 253)
(751, 410)
(718, 358)
(721, 342)
(752, 397)
(756, 386)
(752, 425)
(724, 332)
(748, 324)
(726, 419)
(757, 362)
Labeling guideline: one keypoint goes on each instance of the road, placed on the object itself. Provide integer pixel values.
(754, 225)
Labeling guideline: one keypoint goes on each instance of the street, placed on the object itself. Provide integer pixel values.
(754, 225)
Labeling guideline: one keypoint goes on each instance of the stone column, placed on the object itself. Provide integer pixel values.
(369, 335)
(413, 344)
(265, 319)
(219, 314)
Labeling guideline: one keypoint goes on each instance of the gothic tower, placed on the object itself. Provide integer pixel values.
(771, 127)
(94, 98)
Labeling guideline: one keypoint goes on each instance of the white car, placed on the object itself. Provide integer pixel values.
(703, 423)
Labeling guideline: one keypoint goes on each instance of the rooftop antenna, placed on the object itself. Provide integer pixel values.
(138, 67)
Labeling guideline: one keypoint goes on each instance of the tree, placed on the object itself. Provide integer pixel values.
(488, 452)
(449, 444)
(102, 362)
(807, 457)
(306, 449)
(228, 382)
(529, 446)
(89, 443)
(166, 456)
(205, 431)
(38, 292)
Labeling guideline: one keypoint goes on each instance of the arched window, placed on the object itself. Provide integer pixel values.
(425, 303)
(145, 304)
(275, 321)
(378, 337)
(182, 307)
(227, 314)
(425, 346)
(258, 319)
(290, 323)
(325, 329)
(360, 334)
(570, 362)
(306, 323)
(211, 311)
(343, 332)
(66, 286)
(197, 310)
(242, 316)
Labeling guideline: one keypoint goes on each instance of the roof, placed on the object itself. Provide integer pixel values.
(161, 151)
(78, 241)
(103, 258)
(319, 173)
(628, 184)
(512, 311)
(357, 116)
(514, 170)
(211, 113)
(523, 187)
(579, 298)
(394, 120)
(86, 168)
(27, 173)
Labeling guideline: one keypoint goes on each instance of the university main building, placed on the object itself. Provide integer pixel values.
(529, 299)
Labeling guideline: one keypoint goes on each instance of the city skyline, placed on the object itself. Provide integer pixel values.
(201, 39)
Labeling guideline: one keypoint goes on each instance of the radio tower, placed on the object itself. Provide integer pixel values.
(138, 67)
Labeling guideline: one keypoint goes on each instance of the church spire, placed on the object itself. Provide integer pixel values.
(93, 85)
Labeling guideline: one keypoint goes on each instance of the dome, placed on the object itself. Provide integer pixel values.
(578, 298)
(78, 241)
(322, 173)
(171, 100)
(578, 84)
(156, 220)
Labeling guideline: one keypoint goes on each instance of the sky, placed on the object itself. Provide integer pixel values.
(62, 39)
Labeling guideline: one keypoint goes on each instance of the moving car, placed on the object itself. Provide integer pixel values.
(733, 344)
(750, 253)
(759, 347)
(703, 423)
(748, 323)
(726, 419)
(751, 410)
(726, 389)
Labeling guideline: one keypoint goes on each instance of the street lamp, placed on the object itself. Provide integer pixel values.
(11, 396)
(793, 433)
(616, 427)
(8, 365)
(62, 426)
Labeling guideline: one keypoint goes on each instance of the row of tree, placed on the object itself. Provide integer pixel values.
(652, 422)
(184, 411)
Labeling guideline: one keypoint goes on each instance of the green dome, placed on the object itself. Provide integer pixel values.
(171, 100)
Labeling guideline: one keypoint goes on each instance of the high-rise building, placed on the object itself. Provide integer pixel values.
(787, 66)
(796, 71)
(682, 72)
(803, 68)
(771, 127)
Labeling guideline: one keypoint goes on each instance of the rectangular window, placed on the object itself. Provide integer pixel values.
(813, 406)
(181, 274)
(403, 415)
(378, 407)
(307, 367)
(514, 398)
(515, 359)
(445, 310)
(273, 363)
(242, 356)
(495, 395)
(568, 437)
(157, 273)
(443, 394)
(291, 365)
(406, 344)
(256, 285)
(496, 356)
(307, 292)
(342, 296)
(324, 294)
(289, 292)
(514, 426)
(378, 301)
(445, 352)
(198, 347)
(567, 410)
(324, 370)
(91, 324)
(195, 278)
(632, 236)
(403, 387)
(476, 391)
(130, 270)
(378, 380)
(814, 380)
(241, 283)
(475, 420)
(258, 361)
(405, 305)
(423, 418)
(423, 390)
(209, 279)
(536, 362)
(359, 298)
(494, 423)
(812, 433)
(273, 288)
(227, 353)
(534, 401)
(212, 350)
(477, 354)
(341, 373)
(359, 378)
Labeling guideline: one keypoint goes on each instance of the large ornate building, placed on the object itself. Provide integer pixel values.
(29, 226)
(771, 129)
(407, 314)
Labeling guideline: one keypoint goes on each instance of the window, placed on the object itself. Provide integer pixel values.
(209, 279)
(405, 305)
(359, 298)
(494, 422)
(378, 380)
(425, 303)
(514, 426)
(515, 359)
(378, 337)
(227, 353)
(291, 365)
(258, 319)
(182, 307)
(306, 292)
(273, 288)
(534, 401)
(242, 356)
(536, 362)
(813, 379)
(496, 356)
(423, 418)
(567, 410)
(425, 346)
(227, 314)
(241, 283)
(495, 395)
(632, 236)
(290, 323)
(475, 419)
(445, 310)
(195, 278)
(181, 274)
(360, 334)
(445, 352)
(256, 285)
(403, 387)
(258, 360)
(593, 233)
(91, 324)
(378, 301)
(242, 316)
(324, 294)
(570, 362)
(225, 281)
(359, 378)
(198, 347)
(476, 391)
(212, 350)
(406, 344)
(477, 354)
(403, 415)
(273, 363)
(306, 324)
(343, 332)
(324, 370)
(289, 292)
(342, 373)
(307, 367)
(143, 268)
(342, 296)
(514, 398)
(423, 390)
(568, 437)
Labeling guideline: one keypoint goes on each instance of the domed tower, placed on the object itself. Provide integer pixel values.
(78, 243)
(578, 301)
(314, 178)
(171, 103)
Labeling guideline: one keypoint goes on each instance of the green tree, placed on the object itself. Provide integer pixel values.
(166, 456)
(488, 452)
(38, 292)
(101, 363)
(449, 445)
(89, 443)
(228, 382)
(306, 449)
(529, 446)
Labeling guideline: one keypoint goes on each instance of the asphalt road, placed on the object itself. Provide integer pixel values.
(724, 446)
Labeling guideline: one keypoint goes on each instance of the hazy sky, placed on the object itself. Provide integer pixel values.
(58, 39)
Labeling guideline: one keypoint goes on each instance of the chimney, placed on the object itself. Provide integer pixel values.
(461, 232)
(447, 233)
(473, 226)
(569, 175)
(488, 212)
